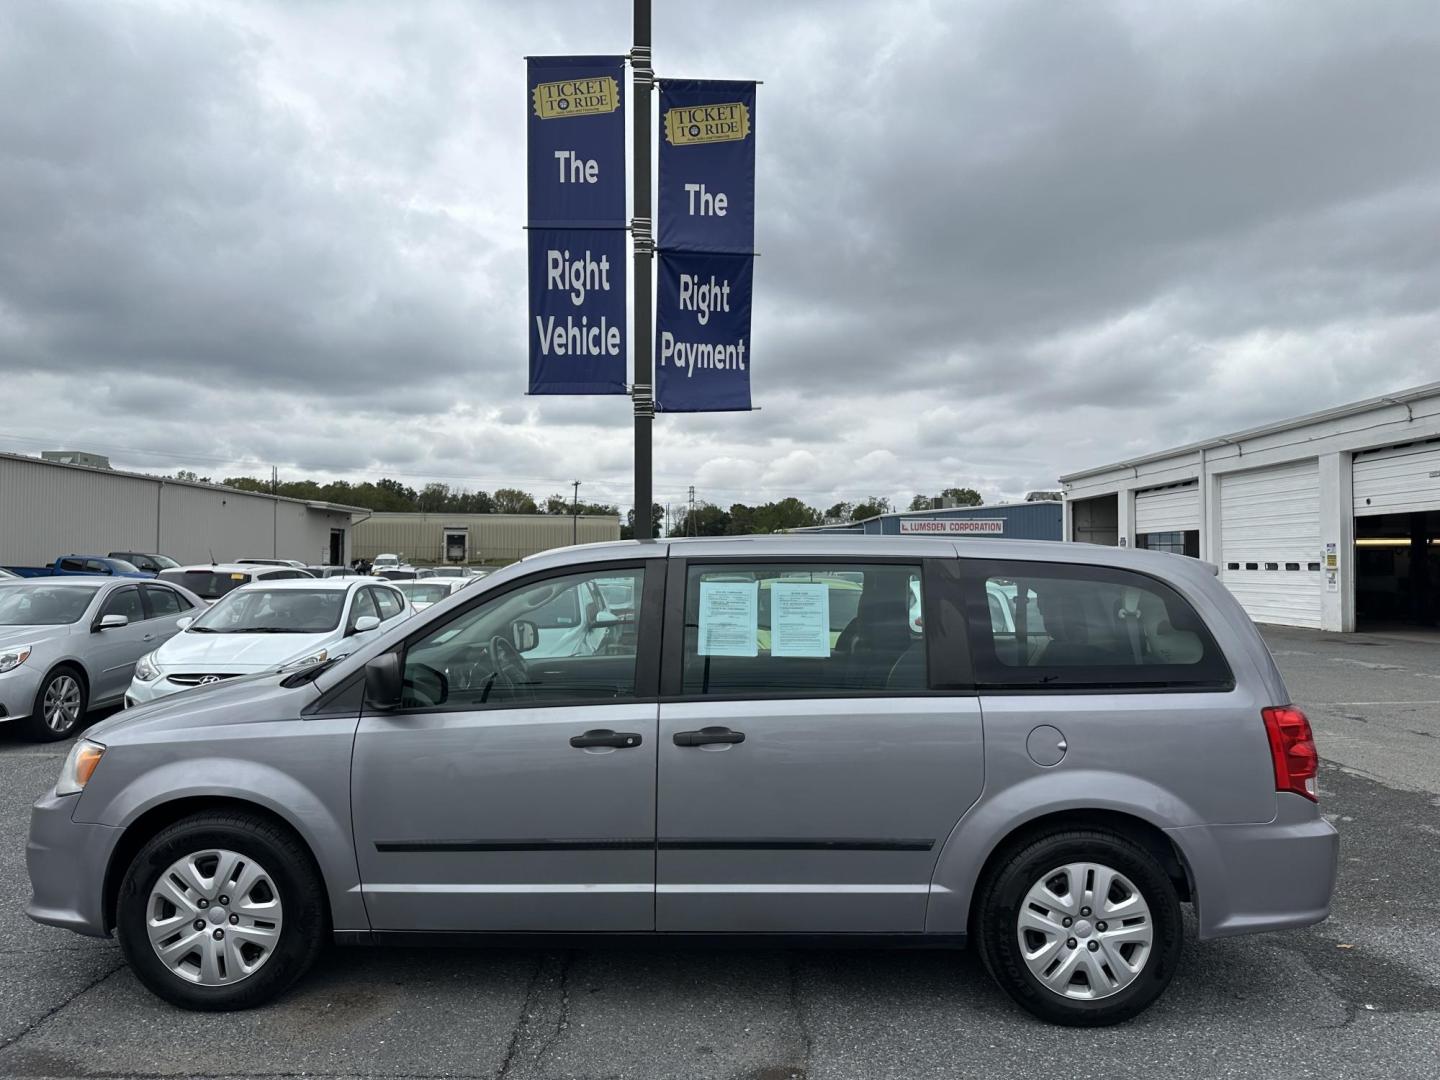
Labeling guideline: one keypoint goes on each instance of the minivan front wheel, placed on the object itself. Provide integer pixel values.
(1081, 927)
(221, 911)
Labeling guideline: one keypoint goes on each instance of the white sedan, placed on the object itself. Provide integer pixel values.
(426, 591)
(267, 626)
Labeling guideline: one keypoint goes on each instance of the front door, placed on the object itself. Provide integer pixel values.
(117, 650)
(510, 793)
(808, 774)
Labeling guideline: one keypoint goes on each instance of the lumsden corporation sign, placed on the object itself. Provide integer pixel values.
(952, 527)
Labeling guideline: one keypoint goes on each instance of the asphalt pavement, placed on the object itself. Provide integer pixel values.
(1357, 996)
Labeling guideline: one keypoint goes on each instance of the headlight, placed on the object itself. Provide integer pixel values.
(305, 661)
(13, 657)
(79, 766)
(146, 669)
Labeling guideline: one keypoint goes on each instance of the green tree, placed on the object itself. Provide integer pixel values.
(839, 512)
(871, 507)
(706, 519)
(920, 502)
(514, 501)
(657, 521)
(963, 496)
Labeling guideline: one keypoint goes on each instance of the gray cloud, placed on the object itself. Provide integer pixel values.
(999, 241)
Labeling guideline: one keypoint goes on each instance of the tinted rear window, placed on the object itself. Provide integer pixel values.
(210, 584)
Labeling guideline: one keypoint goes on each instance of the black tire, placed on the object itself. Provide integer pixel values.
(298, 884)
(36, 727)
(998, 910)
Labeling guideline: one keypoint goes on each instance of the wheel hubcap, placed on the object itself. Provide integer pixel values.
(202, 940)
(1060, 935)
(62, 703)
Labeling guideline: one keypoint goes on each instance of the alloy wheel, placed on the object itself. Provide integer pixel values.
(214, 917)
(61, 706)
(1085, 931)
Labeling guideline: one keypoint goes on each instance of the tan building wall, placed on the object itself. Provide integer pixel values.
(49, 509)
(489, 538)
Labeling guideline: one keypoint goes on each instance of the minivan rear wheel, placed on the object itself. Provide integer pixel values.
(1080, 927)
(221, 911)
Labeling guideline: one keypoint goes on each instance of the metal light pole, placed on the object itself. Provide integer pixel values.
(575, 514)
(643, 392)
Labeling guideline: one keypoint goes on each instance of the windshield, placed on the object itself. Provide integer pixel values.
(164, 562)
(424, 592)
(273, 611)
(209, 584)
(447, 571)
(122, 567)
(26, 604)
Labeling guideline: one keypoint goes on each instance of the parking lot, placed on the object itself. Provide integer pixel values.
(1358, 995)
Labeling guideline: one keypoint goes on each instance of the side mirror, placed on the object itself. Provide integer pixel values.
(384, 682)
(606, 618)
(112, 622)
(525, 634)
(364, 624)
(184, 623)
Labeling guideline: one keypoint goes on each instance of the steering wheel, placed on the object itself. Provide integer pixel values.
(511, 671)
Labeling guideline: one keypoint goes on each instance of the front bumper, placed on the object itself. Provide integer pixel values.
(18, 689)
(142, 693)
(67, 861)
(1272, 876)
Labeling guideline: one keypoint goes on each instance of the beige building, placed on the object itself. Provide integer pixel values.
(50, 508)
(476, 538)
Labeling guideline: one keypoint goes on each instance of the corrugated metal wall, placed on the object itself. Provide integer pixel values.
(490, 537)
(1398, 480)
(48, 510)
(1168, 509)
(1270, 556)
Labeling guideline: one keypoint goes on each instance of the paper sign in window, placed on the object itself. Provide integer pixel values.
(729, 618)
(799, 619)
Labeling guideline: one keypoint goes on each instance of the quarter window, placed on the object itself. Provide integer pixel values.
(819, 629)
(1053, 626)
(499, 654)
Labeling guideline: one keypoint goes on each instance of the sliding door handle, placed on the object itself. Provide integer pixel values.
(708, 735)
(620, 740)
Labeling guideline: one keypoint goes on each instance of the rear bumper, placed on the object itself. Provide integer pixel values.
(67, 860)
(1273, 876)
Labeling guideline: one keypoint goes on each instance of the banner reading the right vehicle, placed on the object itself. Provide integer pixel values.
(706, 242)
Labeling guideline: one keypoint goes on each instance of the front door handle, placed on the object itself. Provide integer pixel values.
(620, 740)
(708, 735)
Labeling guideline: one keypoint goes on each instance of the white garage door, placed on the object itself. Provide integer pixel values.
(1270, 542)
(1397, 480)
(1168, 509)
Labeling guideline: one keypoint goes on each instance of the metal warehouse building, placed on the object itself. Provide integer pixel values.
(50, 508)
(1018, 521)
(1330, 520)
(476, 538)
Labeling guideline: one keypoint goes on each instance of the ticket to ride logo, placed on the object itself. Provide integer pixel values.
(691, 125)
(576, 97)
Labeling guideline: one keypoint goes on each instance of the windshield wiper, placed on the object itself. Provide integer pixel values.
(203, 630)
(273, 630)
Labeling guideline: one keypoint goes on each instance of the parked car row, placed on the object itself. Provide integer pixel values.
(71, 641)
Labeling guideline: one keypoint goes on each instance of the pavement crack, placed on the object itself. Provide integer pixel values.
(91, 985)
(527, 1006)
(562, 1021)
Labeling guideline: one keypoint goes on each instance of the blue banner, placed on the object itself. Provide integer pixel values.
(576, 141)
(707, 166)
(702, 333)
(577, 311)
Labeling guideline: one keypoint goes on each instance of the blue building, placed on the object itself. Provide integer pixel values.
(1017, 521)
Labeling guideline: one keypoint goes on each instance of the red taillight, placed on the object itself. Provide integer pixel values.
(1292, 749)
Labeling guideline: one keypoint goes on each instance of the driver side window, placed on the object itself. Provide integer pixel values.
(554, 642)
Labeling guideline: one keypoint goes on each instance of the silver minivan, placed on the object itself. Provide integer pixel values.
(1041, 749)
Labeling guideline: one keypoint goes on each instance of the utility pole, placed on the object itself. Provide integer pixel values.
(690, 518)
(643, 391)
(575, 514)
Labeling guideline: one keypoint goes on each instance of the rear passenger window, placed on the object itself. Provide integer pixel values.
(1057, 626)
(162, 601)
(803, 629)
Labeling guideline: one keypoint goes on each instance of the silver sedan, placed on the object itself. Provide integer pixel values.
(70, 644)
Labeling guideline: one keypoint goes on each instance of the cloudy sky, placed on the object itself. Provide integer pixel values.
(1000, 241)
